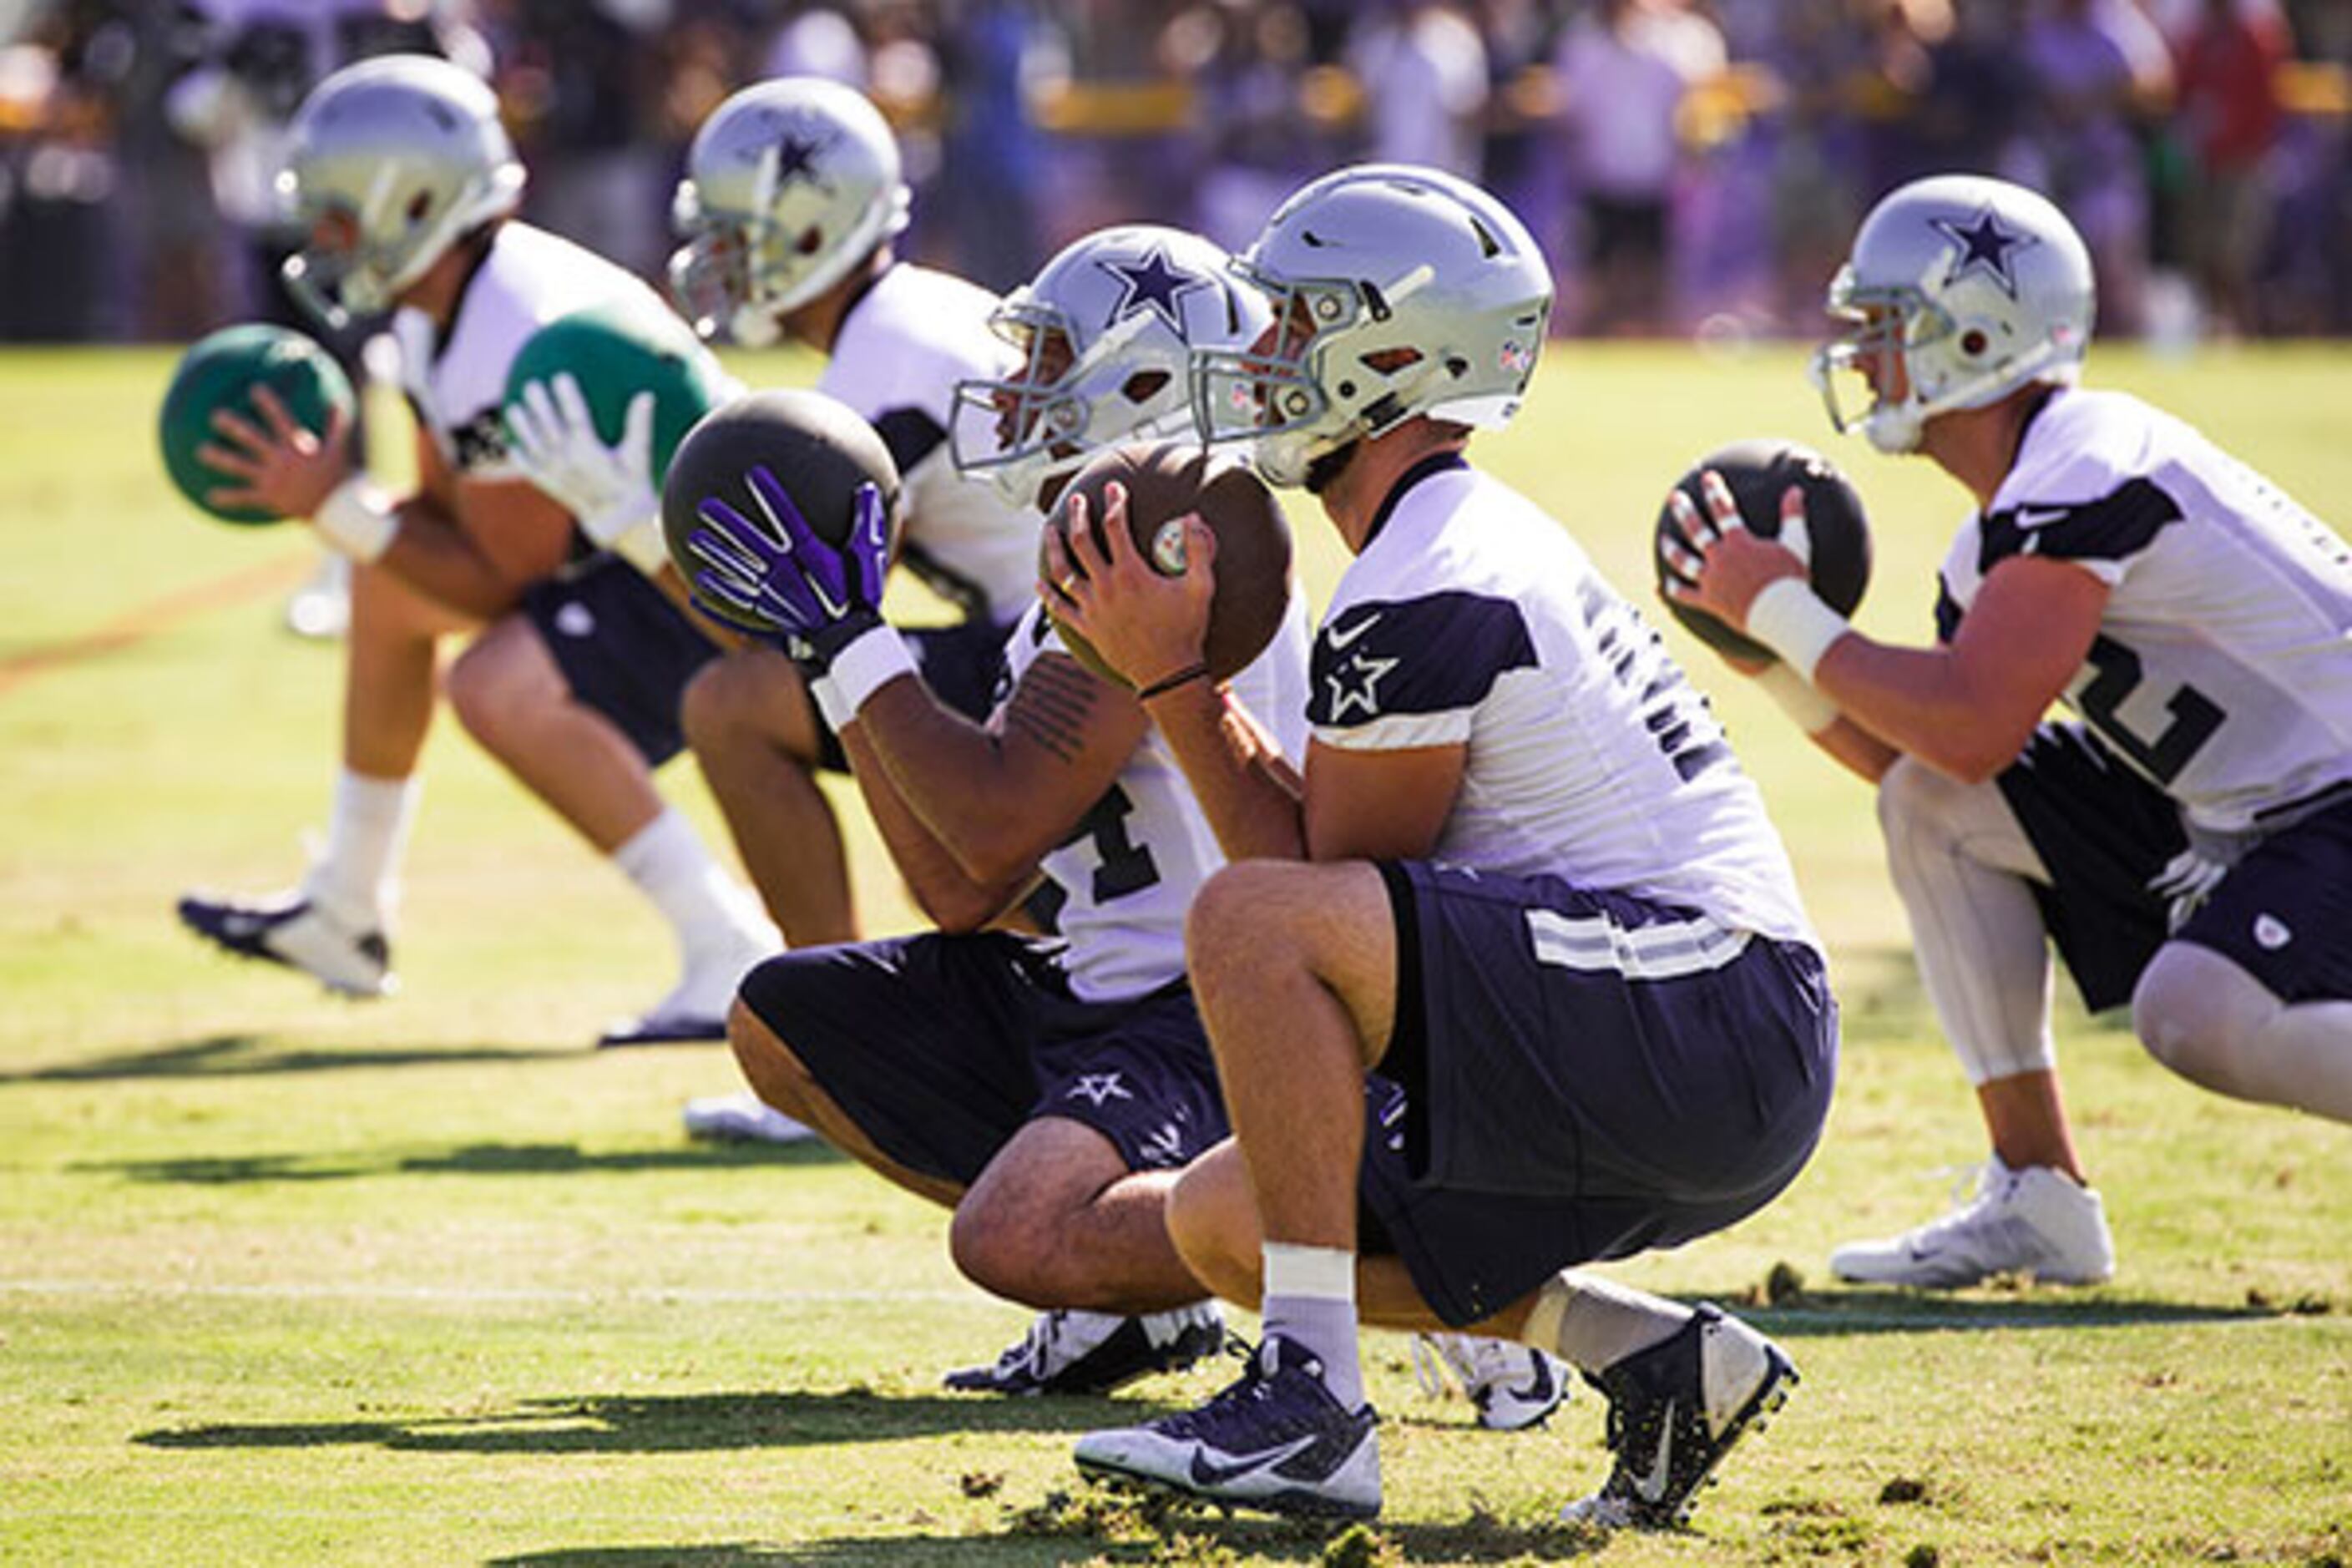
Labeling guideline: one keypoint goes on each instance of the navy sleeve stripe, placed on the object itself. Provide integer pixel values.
(1433, 655)
(911, 434)
(2114, 528)
(1947, 613)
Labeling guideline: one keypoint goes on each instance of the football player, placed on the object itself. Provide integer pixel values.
(1516, 977)
(790, 207)
(405, 182)
(2185, 840)
(1046, 1091)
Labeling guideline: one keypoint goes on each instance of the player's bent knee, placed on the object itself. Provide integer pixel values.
(777, 1076)
(2193, 1009)
(493, 685)
(1913, 798)
(1237, 915)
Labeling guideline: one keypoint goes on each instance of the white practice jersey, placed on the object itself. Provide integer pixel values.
(1471, 618)
(1129, 872)
(902, 347)
(457, 380)
(2222, 669)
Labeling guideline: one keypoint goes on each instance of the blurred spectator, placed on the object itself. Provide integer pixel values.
(576, 80)
(1624, 69)
(2230, 117)
(816, 40)
(1423, 73)
(2098, 69)
(1246, 64)
(997, 58)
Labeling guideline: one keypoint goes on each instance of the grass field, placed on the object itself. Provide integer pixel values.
(288, 1281)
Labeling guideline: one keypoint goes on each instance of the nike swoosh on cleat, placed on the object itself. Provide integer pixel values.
(1537, 1388)
(1649, 1486)
(1207, 1472)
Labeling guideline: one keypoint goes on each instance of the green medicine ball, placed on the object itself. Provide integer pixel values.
(221, 371)
(615, 351)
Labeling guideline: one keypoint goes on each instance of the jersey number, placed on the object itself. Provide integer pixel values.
(2195, 716)
(1125, 867)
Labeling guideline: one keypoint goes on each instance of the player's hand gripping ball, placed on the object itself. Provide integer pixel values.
(615, 354)
(765, 476)
(1834, 547)
(221, 371)
(1164, 484)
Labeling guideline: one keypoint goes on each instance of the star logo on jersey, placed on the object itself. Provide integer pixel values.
(1151, 282)
(1984, 245)
(1354, 684)
(1096, 1088)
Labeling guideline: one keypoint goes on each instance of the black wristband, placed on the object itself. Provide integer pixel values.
(1184, 677)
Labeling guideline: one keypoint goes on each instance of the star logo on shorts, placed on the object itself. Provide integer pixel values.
(1095, 1087)
(1983, 244)
(1352, 685)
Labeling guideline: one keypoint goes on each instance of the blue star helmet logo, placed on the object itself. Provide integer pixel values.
(1983, 244)
(1151, 282)
(796, 153)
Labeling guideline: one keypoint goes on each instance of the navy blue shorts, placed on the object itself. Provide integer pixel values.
(624, 648)
(961, 663)
(942, 1048)
(2284, 914)
(1578, 1076)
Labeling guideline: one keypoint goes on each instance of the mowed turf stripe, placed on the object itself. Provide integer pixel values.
(292, 1291)
(152, 619)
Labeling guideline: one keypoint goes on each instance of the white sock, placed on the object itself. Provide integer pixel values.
(666, 859)
(1592, 1324)
(1310, 1300)
(357, 875)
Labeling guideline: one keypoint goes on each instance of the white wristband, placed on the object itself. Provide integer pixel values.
(357, 519)
(835, 709)
(868, 664)
(1813, 712)
(643, 546)
(1790, 619)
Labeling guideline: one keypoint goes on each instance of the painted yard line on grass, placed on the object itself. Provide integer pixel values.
(569, 1296)
(151, 619)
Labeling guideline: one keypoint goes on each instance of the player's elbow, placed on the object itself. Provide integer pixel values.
(961, 909)
(995, 851)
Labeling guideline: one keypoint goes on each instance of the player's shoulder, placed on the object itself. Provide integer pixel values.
(910, 338)
(2088, 483)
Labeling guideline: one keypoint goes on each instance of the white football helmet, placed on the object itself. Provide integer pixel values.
(1396, 291)
(1106, 331)
(1972, 287)
(789, 184)
(392, 161)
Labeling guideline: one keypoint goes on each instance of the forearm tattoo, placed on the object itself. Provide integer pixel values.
(1055, 701)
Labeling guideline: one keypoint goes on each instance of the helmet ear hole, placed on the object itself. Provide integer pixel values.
(1143, 385)
(811, 241)
(1973, 342)
(418, 205)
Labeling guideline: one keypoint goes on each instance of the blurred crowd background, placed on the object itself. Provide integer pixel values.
(1692, 166)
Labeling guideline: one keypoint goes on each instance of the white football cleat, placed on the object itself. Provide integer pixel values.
(320, 609)
(742, 1119)
(1513, 1386)
(291, 929)
(1276, 1440)
(695, 1008)
(2035, 1221)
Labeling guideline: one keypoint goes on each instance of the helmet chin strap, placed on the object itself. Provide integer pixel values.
(755, 327)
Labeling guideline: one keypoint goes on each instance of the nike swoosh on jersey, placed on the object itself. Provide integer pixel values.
(1207, 1472)
(2035, 516)
(1651, 1484)
(1340, 640)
